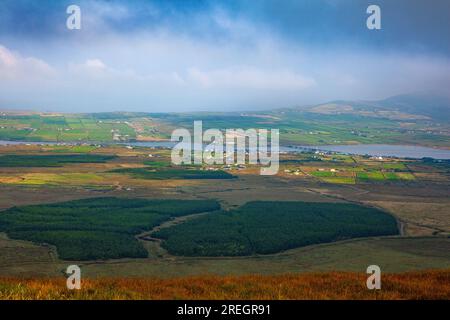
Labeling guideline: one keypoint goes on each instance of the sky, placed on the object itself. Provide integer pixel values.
(186, 55)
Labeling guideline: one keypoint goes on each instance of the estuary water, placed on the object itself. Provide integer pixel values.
(377, 150)
(386, 150)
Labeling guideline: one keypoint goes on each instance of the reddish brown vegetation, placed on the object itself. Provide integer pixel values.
(334, 285)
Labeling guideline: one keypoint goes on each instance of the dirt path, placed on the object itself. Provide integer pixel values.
(153, 245)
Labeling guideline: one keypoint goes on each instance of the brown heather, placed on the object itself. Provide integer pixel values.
(330, 285)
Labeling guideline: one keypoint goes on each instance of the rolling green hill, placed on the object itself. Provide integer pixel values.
(405, 119)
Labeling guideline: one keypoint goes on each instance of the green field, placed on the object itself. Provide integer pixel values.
(296, 126)
(98, 228)
(270, 227)
(302, 127)
(81, 127)
(322, 174)
(371, 175)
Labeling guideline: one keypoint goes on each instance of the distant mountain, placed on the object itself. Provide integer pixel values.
(436, 107)
(401, 107)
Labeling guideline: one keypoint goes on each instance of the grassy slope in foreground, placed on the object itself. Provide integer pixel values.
(332, 285)
(98, 228)
(270, 227)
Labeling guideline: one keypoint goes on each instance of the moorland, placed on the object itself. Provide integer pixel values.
(411, 196)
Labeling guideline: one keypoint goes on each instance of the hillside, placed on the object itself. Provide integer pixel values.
(435, 107)
(406, 119)
(400, 107)
(332, 285)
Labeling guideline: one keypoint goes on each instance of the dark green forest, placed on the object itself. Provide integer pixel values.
(98, 228)
(51, 160)
(163, 173)
(270, 227)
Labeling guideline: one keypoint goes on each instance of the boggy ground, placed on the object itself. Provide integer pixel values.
(421, 205)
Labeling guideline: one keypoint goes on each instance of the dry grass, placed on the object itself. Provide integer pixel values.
(422, 218)
(332, 285)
